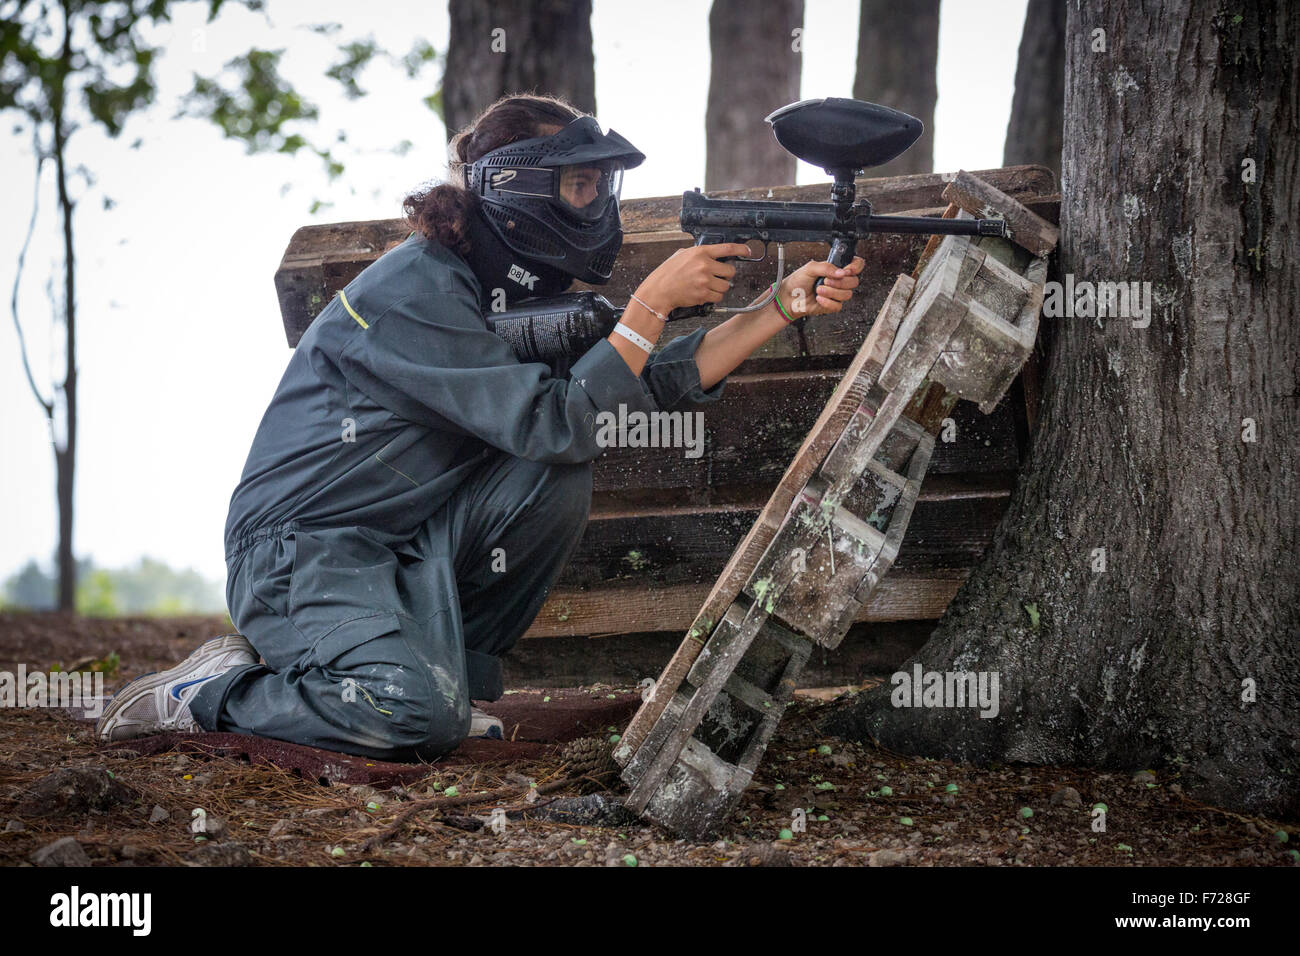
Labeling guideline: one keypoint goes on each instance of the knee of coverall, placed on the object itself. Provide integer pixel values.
(447, 724)
(419, 708)
(437, 713)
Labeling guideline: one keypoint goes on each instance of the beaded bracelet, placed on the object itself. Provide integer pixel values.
(662, 317)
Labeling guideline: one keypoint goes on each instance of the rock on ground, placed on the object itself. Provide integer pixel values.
(64, 852)
(73, 790)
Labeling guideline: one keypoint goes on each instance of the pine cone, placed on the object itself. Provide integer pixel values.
(590, 757)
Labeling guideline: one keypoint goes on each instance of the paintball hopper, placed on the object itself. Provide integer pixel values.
(844, 136)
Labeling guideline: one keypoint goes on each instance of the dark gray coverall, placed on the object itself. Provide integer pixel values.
(404, 445)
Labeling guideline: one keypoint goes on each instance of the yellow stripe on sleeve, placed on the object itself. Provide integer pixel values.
(351, 311)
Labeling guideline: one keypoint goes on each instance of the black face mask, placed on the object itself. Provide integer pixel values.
(498, 267)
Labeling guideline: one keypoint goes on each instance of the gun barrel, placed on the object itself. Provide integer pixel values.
(757, 219)
(929, 225)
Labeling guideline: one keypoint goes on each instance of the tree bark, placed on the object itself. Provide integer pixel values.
(1140, 450)
(1038, 107)
(516, 46)
(65, 458)
(898, 56)
(755, 64)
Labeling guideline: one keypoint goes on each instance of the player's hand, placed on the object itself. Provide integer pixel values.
(692, 276)
(800, 300)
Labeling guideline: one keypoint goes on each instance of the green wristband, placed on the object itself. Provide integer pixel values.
(777, 299)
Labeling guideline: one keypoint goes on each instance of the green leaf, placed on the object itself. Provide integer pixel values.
(419, 56)
(356, 56)
(251, 102)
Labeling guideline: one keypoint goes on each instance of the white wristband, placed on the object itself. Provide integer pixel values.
(636, 338)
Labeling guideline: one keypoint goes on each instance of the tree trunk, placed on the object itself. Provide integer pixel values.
(740, 149)
(516, 46)
(898, 55)
(1037, 110)
(65, 458)
(1181, 654)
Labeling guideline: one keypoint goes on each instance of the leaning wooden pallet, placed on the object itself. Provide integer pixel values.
(960, 328)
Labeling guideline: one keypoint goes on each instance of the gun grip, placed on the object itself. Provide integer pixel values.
(690, 311)
(841, 255)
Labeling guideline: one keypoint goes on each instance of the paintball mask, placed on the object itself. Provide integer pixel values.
(554, 199)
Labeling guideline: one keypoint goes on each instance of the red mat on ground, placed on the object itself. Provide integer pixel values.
(535, 723)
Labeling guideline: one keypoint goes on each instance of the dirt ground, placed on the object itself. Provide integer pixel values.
(506, 803)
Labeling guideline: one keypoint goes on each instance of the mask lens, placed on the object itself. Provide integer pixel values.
(585, 189)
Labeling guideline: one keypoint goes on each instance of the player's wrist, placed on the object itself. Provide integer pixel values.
(648, 301)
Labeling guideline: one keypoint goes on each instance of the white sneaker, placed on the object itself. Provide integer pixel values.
(483, 724)
(160, 702)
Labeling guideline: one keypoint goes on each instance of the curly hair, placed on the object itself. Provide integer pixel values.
(439, 211)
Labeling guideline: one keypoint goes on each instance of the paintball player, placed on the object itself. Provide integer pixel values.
(414, 489)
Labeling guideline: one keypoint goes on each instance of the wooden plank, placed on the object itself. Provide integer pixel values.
(612, 610)
(930, 317)
(824, 432)
(627, 658)
(645, 784)
(755, 430)
(983, 200)
(680, 545)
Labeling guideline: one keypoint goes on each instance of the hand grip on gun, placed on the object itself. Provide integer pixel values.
(704, 308)
(841, 255)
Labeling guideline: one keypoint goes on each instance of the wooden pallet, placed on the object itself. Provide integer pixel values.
(833, 527)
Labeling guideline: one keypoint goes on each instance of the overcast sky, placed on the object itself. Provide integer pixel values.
(179, 334)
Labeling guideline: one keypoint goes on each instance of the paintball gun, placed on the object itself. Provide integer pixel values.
(843, 137)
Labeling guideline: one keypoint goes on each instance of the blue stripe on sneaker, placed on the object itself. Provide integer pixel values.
(177, 688)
